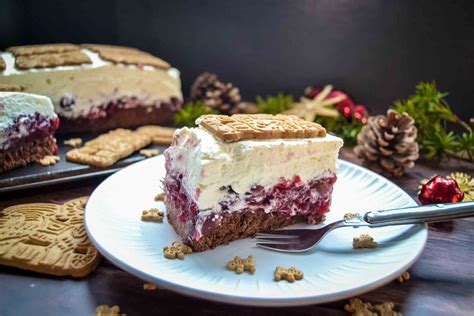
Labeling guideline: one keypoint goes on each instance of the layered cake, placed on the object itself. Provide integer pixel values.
(27, 126)
(96, 87)
(233, 176)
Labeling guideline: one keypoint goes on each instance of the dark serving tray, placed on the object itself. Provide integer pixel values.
(35, 175)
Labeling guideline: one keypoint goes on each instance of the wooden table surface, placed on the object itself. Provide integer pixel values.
(442, 280)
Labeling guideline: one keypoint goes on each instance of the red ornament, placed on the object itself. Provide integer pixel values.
(360, 113)
(440, 190)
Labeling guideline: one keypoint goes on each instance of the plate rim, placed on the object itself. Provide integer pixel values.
(251, 300)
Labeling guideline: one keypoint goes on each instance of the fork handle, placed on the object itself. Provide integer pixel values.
(420, 214)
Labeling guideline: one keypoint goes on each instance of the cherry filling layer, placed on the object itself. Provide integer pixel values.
(29, 127)
(291, 197)
(68, 103)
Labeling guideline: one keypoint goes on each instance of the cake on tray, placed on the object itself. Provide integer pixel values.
(27, 126)
(96, 87)
(233, 176)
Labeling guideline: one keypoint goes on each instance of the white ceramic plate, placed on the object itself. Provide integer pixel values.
(333, 270)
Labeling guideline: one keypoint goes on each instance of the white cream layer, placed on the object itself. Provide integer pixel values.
(207, 163)
(95, 84)
(14, 104)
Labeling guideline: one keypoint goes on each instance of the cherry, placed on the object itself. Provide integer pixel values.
(440, 190)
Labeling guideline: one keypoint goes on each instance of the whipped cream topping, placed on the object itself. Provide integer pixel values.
(14, 104)
(208, 163)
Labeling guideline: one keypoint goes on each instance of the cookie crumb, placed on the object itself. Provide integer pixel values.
(176, 250)
(357, 307)
(290, 274)
(150, 287)
(364, 241)
(149, 152)
(73, 142)
(105, 310)
(160, 197)
(153, 215)
(351, 215)
(49, 160)
(240, 265)
(405, 276)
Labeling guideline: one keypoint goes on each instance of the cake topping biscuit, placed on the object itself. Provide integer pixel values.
(240, 265)
(153, 215)
(11, 87)
(364, 241)
(108, 148)
(290, 274)
(259, 126)
(47, 60)
(47, 238)
(42, 49)
(127, 55)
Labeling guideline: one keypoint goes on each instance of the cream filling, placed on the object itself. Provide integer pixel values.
(208, 163)
(95, 84)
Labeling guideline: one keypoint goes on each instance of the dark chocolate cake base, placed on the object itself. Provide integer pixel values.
(233, 226)
(25, 152)
(121, 117)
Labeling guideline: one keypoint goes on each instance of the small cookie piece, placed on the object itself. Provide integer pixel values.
(176, 250)
(47, 238)
(364, 241)
(50, 60)
(351, 215)
(11, 87)
(160, 197)
(240, 265)
(386, 309)
(73, 142)
(150, 287)
(153, 215)
(405, 276)
(259, 126)
(149, 152)
(106, 310)
(3, 66)
(159, 135)
(41, 49)
(108, 148)
(49, 160)
(290, 274)
(98, 47)
(358, 308)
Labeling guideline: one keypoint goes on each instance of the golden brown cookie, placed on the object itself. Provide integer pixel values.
(290, 274)
(3, 66)
(73, 142)
(48, 60)
(47, 238)
(149, 152)
(11, 87)
(177, 250)
(106, 310)
(108, 148)
(364, 241)
(153, 215)
(240, 265)
(100, 47)
(159, 135)
(49, 160)
(42, 49)
(259, 126)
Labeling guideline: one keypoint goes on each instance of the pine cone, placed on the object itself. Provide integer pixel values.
(219, 96)
(387, 144)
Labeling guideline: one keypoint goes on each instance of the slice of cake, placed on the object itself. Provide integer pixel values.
(96, 87)
(27, 126)
(236, 175)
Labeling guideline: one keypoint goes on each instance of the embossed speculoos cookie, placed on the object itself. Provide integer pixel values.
(42, 49)
(47, 60)
(259, 126)
(108, 148)
(47, 238)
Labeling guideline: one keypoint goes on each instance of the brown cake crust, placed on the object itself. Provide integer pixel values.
(125, 118)
(26, 152)
(233, 226)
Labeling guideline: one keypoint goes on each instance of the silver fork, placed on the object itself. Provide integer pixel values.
(298, 240)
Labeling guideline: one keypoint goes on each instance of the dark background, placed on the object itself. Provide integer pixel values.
(376, 50)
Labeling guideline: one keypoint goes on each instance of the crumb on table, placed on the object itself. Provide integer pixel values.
(49, 160)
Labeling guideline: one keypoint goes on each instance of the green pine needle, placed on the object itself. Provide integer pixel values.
(274, 104)
(188, 115)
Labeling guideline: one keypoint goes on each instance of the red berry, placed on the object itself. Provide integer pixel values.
(440, 190)
(55, 123)
(55, 149)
